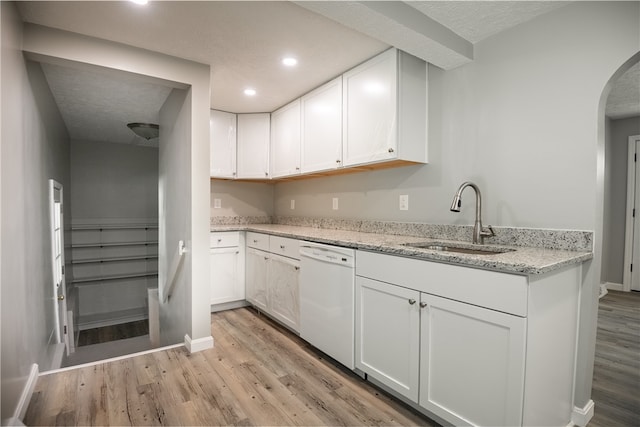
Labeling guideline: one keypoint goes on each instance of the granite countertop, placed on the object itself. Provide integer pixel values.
(521, 260)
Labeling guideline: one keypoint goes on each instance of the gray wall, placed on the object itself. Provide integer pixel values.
(175, 214)
(615, 203)
(35, 148)
(112, 182)
(241, 198)
(520, 121)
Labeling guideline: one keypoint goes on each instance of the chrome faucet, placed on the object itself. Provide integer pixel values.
(479, 233)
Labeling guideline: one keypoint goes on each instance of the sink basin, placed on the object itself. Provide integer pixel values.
(462, 249)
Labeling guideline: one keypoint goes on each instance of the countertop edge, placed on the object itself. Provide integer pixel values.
(523, 261)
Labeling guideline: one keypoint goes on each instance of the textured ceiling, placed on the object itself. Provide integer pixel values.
(624, 99)
(244, 41)
(97, 107)
(477, 20)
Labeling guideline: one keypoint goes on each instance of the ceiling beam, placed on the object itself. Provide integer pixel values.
(399, 25)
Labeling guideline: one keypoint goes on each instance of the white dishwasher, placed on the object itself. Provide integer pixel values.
(327, 290)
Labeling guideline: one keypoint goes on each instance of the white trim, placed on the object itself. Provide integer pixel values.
(613, 286)
(112, 359)
(628, 230)
(582, 416)
(27, 392)
(58, 354)
(198, 344)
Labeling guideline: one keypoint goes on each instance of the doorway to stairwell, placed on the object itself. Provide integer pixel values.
(112, 218)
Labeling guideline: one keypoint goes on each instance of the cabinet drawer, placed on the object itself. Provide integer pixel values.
(284, 246)
(224, 239)
(258, 241)
(497, 291)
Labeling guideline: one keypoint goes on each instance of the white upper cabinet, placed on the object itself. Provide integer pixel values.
(285, 140)
(321, 147)
(385, 110)
(223, 144)
(253, 145)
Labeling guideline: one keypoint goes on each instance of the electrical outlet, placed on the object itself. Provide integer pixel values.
(217, 203)
(293, 204)
(404, 202)
(335, 203)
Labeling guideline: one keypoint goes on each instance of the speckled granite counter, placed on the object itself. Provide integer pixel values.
(522, 260)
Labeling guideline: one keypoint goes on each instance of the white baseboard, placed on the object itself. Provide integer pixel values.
(614, 286)
(582, 416)
(27, 392)
(198, 344)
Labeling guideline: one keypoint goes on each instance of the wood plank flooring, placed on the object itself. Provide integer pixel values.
(616, 372)
(257, 374)
(261, 374)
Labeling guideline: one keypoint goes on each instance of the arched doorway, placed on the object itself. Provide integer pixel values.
(622, 121)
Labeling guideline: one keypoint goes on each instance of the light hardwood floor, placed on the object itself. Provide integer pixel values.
(616, 373)
(261, 374)
(257, 374)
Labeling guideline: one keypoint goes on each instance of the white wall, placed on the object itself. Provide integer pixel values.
(244, 199)
(113, 181)
(34, 148)
(525, 121)
(615, 202)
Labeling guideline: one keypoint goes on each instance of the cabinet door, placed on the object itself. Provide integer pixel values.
(284, 297)
(256, 277)
(370, 111)
(226, 272)
(471, 363)
(388, 335)
(285, 140)
(321, 147)
(253, 145)
(223, 144)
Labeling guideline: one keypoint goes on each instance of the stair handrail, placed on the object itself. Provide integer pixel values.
(167, 289)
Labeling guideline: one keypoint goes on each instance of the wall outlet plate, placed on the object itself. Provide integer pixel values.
(293, 204)
(217, 203)
(335, 203)
(404, 202)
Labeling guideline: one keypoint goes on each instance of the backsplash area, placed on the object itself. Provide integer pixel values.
(573, 240)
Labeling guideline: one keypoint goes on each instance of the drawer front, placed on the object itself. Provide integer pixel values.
(258, 241)
(224, 239)
(284, 246)
(497, 291)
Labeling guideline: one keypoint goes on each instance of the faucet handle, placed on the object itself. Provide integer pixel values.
(487, 232)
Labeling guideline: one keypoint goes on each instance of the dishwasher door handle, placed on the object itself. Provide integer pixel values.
(326, 256)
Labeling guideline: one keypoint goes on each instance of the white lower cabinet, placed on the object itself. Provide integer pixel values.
(471, 363)
(388, 335)
(282, 284)
(272, 280)
(226, 262)
(461, 362)
(256, 277)
(469, 346)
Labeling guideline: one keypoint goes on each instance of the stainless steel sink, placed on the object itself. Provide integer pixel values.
(462, 249)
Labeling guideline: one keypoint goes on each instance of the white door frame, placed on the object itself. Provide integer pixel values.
(634, 141)
(56, 217)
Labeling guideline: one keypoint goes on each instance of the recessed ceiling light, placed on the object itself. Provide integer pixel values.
(290, 62)
(140, 1)
(250, 92)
